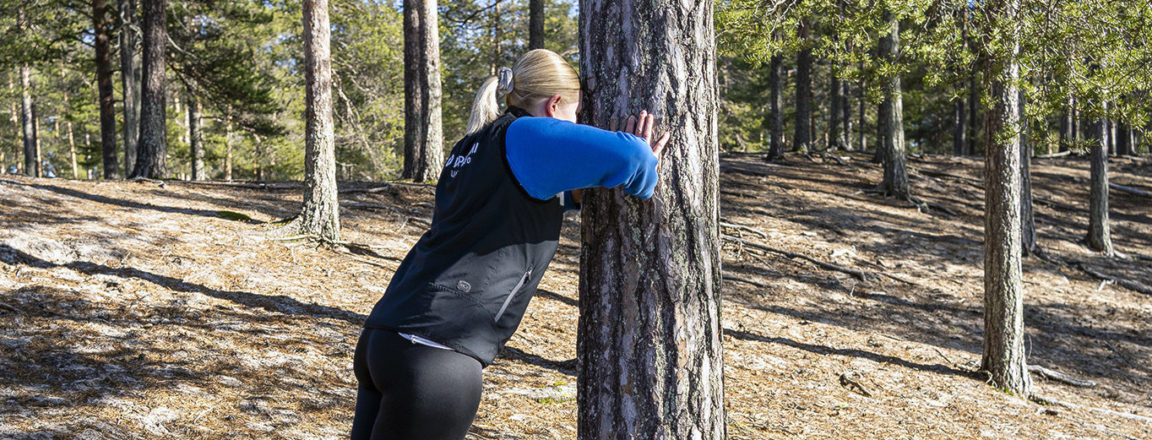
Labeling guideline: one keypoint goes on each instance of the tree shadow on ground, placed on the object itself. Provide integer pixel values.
(114, 201)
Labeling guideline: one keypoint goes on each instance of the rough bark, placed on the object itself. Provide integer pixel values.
(973, 113)
(895, 183)
(320, 214)
(195, 132)
(535, 24)
(649, 350)
(776, 114)
(1003, 356)
(802, 136)
(1027, 219)
(31, 162)
(152, 150)
(423, 135)
(835, 130)
(130, 79)
(960, 127)
(863, 106)
(1099, 235)
(104, 85)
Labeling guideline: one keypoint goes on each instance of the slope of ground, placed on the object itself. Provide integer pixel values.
(129, 310)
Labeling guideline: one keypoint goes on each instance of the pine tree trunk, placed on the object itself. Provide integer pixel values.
(104, 85)
(1099, 235)
(846, 116)
(1123, 139)
(973, 113)
(802, 136)
(835, 133)
(423, 135)
(1111, 135)
(895, 183)
(776, 115)
(862, 103)
(1027, 219)
(31, 162)
(228, 148)
(195, 132)
(152, 150)
(960, 127)
(1003, 356)
(130, 79)
(649, 350)
(37, 153)
(68, 125)
(321, 212)
(535, 24)
(1067, 125)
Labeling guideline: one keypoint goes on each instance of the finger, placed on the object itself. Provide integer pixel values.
(612, 124)
(630, 127)
(648, 128)
(643, 119)
(659, 145)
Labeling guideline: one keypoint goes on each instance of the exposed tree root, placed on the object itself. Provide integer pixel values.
(1060, 377)
(731, 277)
(1130, 190)
(854, 272)
(1053, 402)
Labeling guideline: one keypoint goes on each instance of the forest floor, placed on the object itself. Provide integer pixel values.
(130, 310)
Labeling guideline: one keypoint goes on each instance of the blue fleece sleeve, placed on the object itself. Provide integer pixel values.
(549, 156)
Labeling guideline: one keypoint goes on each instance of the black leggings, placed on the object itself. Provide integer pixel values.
(412, 391)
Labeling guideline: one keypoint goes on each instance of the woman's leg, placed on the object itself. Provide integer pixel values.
(367, 396)
(426, 393)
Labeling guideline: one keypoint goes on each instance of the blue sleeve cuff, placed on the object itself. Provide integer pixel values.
(548, 156)
(570, 203)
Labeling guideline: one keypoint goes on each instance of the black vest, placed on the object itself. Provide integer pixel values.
(467, 282)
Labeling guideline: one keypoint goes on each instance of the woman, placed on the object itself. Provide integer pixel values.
(463, 288)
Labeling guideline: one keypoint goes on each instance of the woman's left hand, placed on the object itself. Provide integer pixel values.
(643, 127)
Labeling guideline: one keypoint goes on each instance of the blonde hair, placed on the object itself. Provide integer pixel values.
(538, 74)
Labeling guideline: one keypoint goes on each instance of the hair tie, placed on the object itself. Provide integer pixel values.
(505, 84)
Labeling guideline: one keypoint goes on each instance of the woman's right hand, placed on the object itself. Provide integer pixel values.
(643, 127)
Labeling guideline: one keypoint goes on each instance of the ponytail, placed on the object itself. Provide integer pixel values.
(485, 108)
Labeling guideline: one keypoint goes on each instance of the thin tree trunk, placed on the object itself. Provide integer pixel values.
(1003, 355)
(835, 132)
(320, 214)
(1027, 219)
(36, 141)
(13, 109)
(863, 105)
(31, 154)
(68, 125)
(846, 116)
(423, 130)
(130, 79)
(195, 132)
(960, 127)
(776, 115)
(228, 148)
(895, 183)
(152, 150)
(1067, 125)
(1123, 139)
(104, 84)
(535, 24)
(802, 136)
(1099, 235)
(1111, 135)
(649, 352)
(973, 113)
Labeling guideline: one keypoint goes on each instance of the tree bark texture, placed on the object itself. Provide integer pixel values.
(423, 131)
(152, 150)
(802, 136)
(846, 116)
(862, 103)
(130, 79)
(1027, 218)
(895, 183)
(104, 86)
(649, 351)
(1099, 235)
(195, 132)
(835, 127)
(1003, 355)
(31, 159)
(535, 24)
(960, 127)
(776, 115)
(321, 212)
(973, 113)
(1066, 126)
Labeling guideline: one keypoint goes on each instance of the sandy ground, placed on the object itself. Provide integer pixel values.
(129, 310)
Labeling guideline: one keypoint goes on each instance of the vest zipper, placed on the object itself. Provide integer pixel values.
(508, 300)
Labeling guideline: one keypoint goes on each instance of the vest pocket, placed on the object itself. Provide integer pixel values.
(508, 300)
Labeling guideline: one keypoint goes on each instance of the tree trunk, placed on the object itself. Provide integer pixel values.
(802, 136)
(195, 132)
(649, 351)
(835, 132)
(895, 183)
(535, 24)
(228, 149)
(321, 212)
(31, 160)
(846, 116)
(68, 125)
(1099, 236)
(776, 115)
(36, 151)
(130, 79)
(1111, 134)
(1123, 139)
(1003, 356)
(973, 113)
(1067, 125)
(104, 84)
(960, 127)
(863, 105)
(1027, 219)
(423, 135)
(14, 111)
(152, 150)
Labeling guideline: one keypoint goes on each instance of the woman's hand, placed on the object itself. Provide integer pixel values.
(642, 127)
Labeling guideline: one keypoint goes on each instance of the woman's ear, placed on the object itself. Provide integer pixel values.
(552, 107)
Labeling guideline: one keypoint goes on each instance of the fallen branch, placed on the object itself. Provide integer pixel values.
(244, 185)
(366, 190)
(145, 179)
(1130, 190)
(854, 272)
(1053, 402)
(1053, 155)
(731, 277)
(8, 307)
(852, 385)
(1060, 377)
(744, 228)
(1122, 282)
